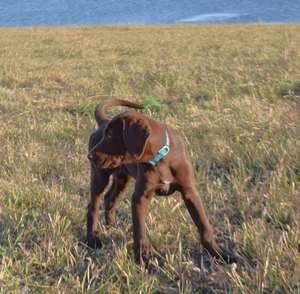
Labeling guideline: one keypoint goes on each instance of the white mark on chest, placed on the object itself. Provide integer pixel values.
(166, 186)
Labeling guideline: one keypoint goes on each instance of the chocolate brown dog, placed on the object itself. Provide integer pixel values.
(133, 145)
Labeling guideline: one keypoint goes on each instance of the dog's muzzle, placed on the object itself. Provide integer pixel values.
(91, 156)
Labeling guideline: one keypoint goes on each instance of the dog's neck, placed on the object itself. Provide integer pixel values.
(163, 151)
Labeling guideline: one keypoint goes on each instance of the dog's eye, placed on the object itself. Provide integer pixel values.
(109, 135)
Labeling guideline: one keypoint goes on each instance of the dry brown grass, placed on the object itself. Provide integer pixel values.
(234, 94)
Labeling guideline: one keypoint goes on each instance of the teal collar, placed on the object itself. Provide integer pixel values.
(162, 152)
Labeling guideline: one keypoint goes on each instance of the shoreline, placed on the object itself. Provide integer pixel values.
(153, 25)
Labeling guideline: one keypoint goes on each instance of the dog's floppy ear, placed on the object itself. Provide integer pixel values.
(136, 132)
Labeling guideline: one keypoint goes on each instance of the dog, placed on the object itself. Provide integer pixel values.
(134, 145)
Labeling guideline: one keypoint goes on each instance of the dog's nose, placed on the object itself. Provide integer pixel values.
(91, 155)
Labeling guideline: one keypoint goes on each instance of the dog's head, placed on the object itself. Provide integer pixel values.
(125, 140)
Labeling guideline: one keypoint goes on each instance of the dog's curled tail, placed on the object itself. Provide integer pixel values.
(99, 111)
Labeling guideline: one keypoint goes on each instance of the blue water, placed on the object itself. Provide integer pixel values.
(25, 13)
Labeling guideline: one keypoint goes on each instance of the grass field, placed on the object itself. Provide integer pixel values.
(233, 92)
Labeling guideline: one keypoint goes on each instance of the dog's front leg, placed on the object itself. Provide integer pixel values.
(99, 181)
(139, 206)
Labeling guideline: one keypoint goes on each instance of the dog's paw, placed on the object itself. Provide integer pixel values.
(110, 224)
(94, 242)
(221, 254)
(228, 257)
(142, 259)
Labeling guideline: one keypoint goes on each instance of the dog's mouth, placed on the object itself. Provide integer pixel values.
(107, 162)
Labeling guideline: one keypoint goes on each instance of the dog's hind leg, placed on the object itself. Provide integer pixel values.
(195, 207)
(120, 183)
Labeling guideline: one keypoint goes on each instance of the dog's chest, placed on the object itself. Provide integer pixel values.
(164, 185)
(165, 188)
